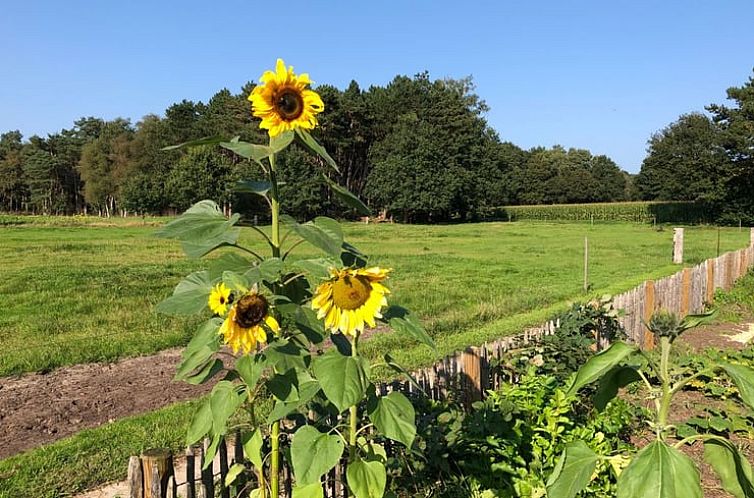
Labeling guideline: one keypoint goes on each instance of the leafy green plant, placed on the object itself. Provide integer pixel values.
(660, 469)
(509, 443)
(275, 316)
(582, 328)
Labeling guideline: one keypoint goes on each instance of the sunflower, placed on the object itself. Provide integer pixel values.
(283, 101)
(219, 299)
(246, 322)
(351, 298)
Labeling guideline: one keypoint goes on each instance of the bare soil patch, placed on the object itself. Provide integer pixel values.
(37, 409)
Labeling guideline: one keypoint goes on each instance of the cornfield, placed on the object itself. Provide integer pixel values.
(637, 212)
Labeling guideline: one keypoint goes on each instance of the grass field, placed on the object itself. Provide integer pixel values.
(76, 291)
(86, 292)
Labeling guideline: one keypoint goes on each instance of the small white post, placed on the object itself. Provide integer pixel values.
(586, 264)
(678, 246)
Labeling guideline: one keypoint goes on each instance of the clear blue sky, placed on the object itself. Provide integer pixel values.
(602, 75)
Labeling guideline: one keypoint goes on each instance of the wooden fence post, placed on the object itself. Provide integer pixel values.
(135, 478)
(649, 309)
(678, 246)
(751, 238)
(710, 294)
(472, 370)
(157, 467)
(685, 291)
(190, 477)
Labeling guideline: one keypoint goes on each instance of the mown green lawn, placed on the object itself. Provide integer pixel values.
(72, 294)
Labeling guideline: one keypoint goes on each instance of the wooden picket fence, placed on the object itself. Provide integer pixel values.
(467, 375)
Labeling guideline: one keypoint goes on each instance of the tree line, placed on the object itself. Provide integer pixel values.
(708, 158)
(417, 149)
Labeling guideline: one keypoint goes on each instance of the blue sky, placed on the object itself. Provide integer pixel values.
(602, 75)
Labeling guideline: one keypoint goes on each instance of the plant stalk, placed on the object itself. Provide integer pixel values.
(667, 393)
(275, 243)
(353, 410)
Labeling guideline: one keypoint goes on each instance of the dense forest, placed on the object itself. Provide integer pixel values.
(708, 158)
(417, 149)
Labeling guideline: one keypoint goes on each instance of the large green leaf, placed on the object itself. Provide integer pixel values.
(731, 466)
(201, 423)
(394, 366)
(189, 296)
(315, 270)
(573, 472)
(282, 140)
(313, 490)
(224, 401)
(404, 322)
(344, 379)
(313, 454)
(249, 151)
(200, 349)
(250, 369)
(214, 140)
(253, 187)
(659, 471)
(201, 229)
(611, 382)
(599, 364)
(309, 325)
(229, 261)
(346, 197)
(393, 415)
(691, 321)
(306, 391)
(252, 447)
(209, 370)
(268, 270)
(323, 233)
(236, 282)
(308, 141)
(366, 479)
(743, 377)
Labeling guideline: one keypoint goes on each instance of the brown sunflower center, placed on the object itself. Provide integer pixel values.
(289, 104)
(251, 310)
(350, 292)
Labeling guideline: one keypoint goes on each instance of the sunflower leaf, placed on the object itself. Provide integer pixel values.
(323, 233)
(393, 415)
(253, 187)
(281, 141)
(249, 151)
(346, 197)
(404, 322)
(308, 141)
(189, 296)
(202, 229)
(344, 379)
(214, 140)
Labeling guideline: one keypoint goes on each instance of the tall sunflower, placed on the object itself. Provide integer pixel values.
(246, 322)
(351, 298)
(284, 102)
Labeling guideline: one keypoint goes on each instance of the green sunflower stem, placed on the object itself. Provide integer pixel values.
(353, 411)
(275, 429)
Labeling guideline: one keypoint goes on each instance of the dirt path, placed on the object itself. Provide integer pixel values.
(37, 409)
